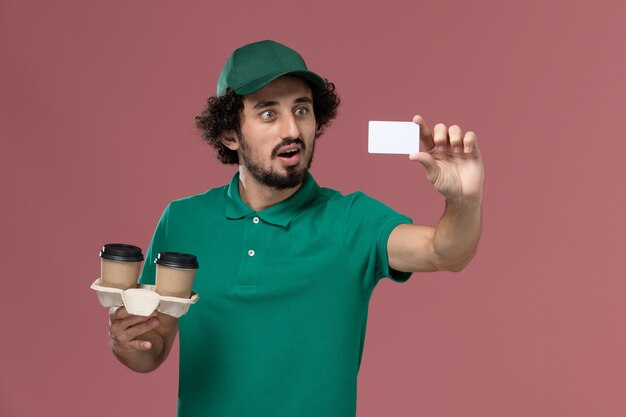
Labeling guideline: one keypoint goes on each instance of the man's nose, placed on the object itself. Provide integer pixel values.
(289, 128)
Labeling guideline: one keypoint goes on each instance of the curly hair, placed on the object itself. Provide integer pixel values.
(223, 113)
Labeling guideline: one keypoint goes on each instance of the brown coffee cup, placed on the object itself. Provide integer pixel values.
(120, 265)
(175, 272)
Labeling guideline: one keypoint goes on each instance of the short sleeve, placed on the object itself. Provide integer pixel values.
(383, 256)
(158, 244)
(369, 224)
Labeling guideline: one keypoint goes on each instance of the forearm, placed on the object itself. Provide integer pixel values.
(457, 234)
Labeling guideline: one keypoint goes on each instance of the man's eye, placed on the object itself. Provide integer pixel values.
(267, 114)
(302, 111)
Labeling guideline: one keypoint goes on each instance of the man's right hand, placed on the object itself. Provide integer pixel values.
(125, 330)
(141, 343)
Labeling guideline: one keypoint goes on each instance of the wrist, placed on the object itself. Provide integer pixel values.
(464, 202)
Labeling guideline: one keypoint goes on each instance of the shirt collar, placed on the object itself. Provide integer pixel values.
(279, 214)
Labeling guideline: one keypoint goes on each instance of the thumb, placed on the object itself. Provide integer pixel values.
(429, 163)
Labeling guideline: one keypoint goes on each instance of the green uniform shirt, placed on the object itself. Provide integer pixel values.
(280, 324)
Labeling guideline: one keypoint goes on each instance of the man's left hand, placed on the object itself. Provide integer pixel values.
(452, 161)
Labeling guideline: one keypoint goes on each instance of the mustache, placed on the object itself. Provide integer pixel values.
(286, 142)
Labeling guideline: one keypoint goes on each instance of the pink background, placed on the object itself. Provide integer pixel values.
(96, 120)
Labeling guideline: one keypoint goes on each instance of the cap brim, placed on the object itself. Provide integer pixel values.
(252, 87)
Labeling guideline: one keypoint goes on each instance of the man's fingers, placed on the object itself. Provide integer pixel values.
(131, 321)
(440, 136)
(445, 138)
(429, 163)
(125, 328)
(119, 317)
(455, 136)
(470, 142)
(140, 345)
(116, 313)
(426, 137)
(131, 332)
(141, 328)
(132, 345)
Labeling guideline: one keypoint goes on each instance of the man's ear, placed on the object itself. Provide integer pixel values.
(230, 139)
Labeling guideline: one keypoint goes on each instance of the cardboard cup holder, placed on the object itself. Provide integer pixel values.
(114, 297)
(140, 301)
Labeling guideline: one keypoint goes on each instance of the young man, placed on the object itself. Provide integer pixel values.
(287, 267)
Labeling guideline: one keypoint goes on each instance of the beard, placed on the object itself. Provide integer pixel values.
(293, 175)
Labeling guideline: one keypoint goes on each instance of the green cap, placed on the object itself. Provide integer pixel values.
(255, 65)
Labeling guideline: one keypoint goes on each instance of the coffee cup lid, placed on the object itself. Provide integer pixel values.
(177, 260)
(121, 252)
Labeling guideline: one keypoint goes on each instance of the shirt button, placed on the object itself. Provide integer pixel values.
(250, 252)
(255, 220)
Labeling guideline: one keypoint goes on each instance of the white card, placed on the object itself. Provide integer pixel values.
(393, 137)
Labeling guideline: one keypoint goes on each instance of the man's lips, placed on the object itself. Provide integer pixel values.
(288, 146)
(289, 150)
(289, 155)
(290, 159)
